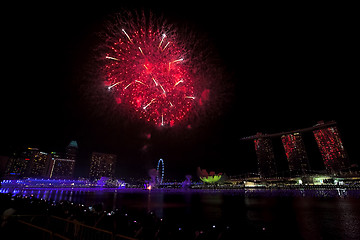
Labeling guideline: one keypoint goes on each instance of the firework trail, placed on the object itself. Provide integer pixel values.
(152, 69)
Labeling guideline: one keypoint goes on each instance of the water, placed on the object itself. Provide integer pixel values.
(295, 214)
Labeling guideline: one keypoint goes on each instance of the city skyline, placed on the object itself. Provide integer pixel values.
(31, 162)
(283, 70)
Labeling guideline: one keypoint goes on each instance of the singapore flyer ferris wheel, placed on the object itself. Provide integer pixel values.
(162, 171)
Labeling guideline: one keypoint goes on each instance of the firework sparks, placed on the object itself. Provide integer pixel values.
(126, 35)
(166, 46)
(149, 103)
(157, 72)
(112, 58)
(162, 39)
(113, 85)
(154, 82)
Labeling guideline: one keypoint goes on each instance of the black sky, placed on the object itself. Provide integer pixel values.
(287, 67)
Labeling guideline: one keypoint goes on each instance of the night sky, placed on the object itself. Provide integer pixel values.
(283, 68)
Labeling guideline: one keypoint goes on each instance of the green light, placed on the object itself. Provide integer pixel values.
(210, 179)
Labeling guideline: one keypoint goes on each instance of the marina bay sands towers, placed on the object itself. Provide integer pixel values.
(265, 156)
(327, 138)
(295, 153)
(331, 148)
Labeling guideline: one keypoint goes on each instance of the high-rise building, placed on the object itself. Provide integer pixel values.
(62, 164)
(34, 163)
(17, 165)
(295, 153)
(29, 163)
(102, 165)
(331, 148)
(39, 163)
(265, 156)
(72, 151)
(61, 168)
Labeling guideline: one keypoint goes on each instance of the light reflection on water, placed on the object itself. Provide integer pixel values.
(309, 214)
(156, 197)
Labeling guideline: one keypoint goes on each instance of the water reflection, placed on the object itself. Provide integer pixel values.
(114, 201)
(348, 217)
(310, 214)
(212, 206)
(155, 202)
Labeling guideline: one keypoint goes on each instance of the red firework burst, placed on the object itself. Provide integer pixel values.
(149, 70)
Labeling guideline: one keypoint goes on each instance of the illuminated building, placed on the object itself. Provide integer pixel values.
(208, 177)
(62, 164)
(30, 162)
(295, 153)
(16, 165)
(61, 168)
(331, 148)
(34, 163)
(102, 165)
(328, 140)
(211, 179)
(39, 163)
(265, 156)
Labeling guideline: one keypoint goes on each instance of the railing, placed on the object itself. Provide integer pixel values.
(55, 228)
(45, 233)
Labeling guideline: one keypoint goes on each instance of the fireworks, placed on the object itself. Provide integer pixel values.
(150, 70)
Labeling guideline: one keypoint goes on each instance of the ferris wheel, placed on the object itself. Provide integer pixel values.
(161, 161)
